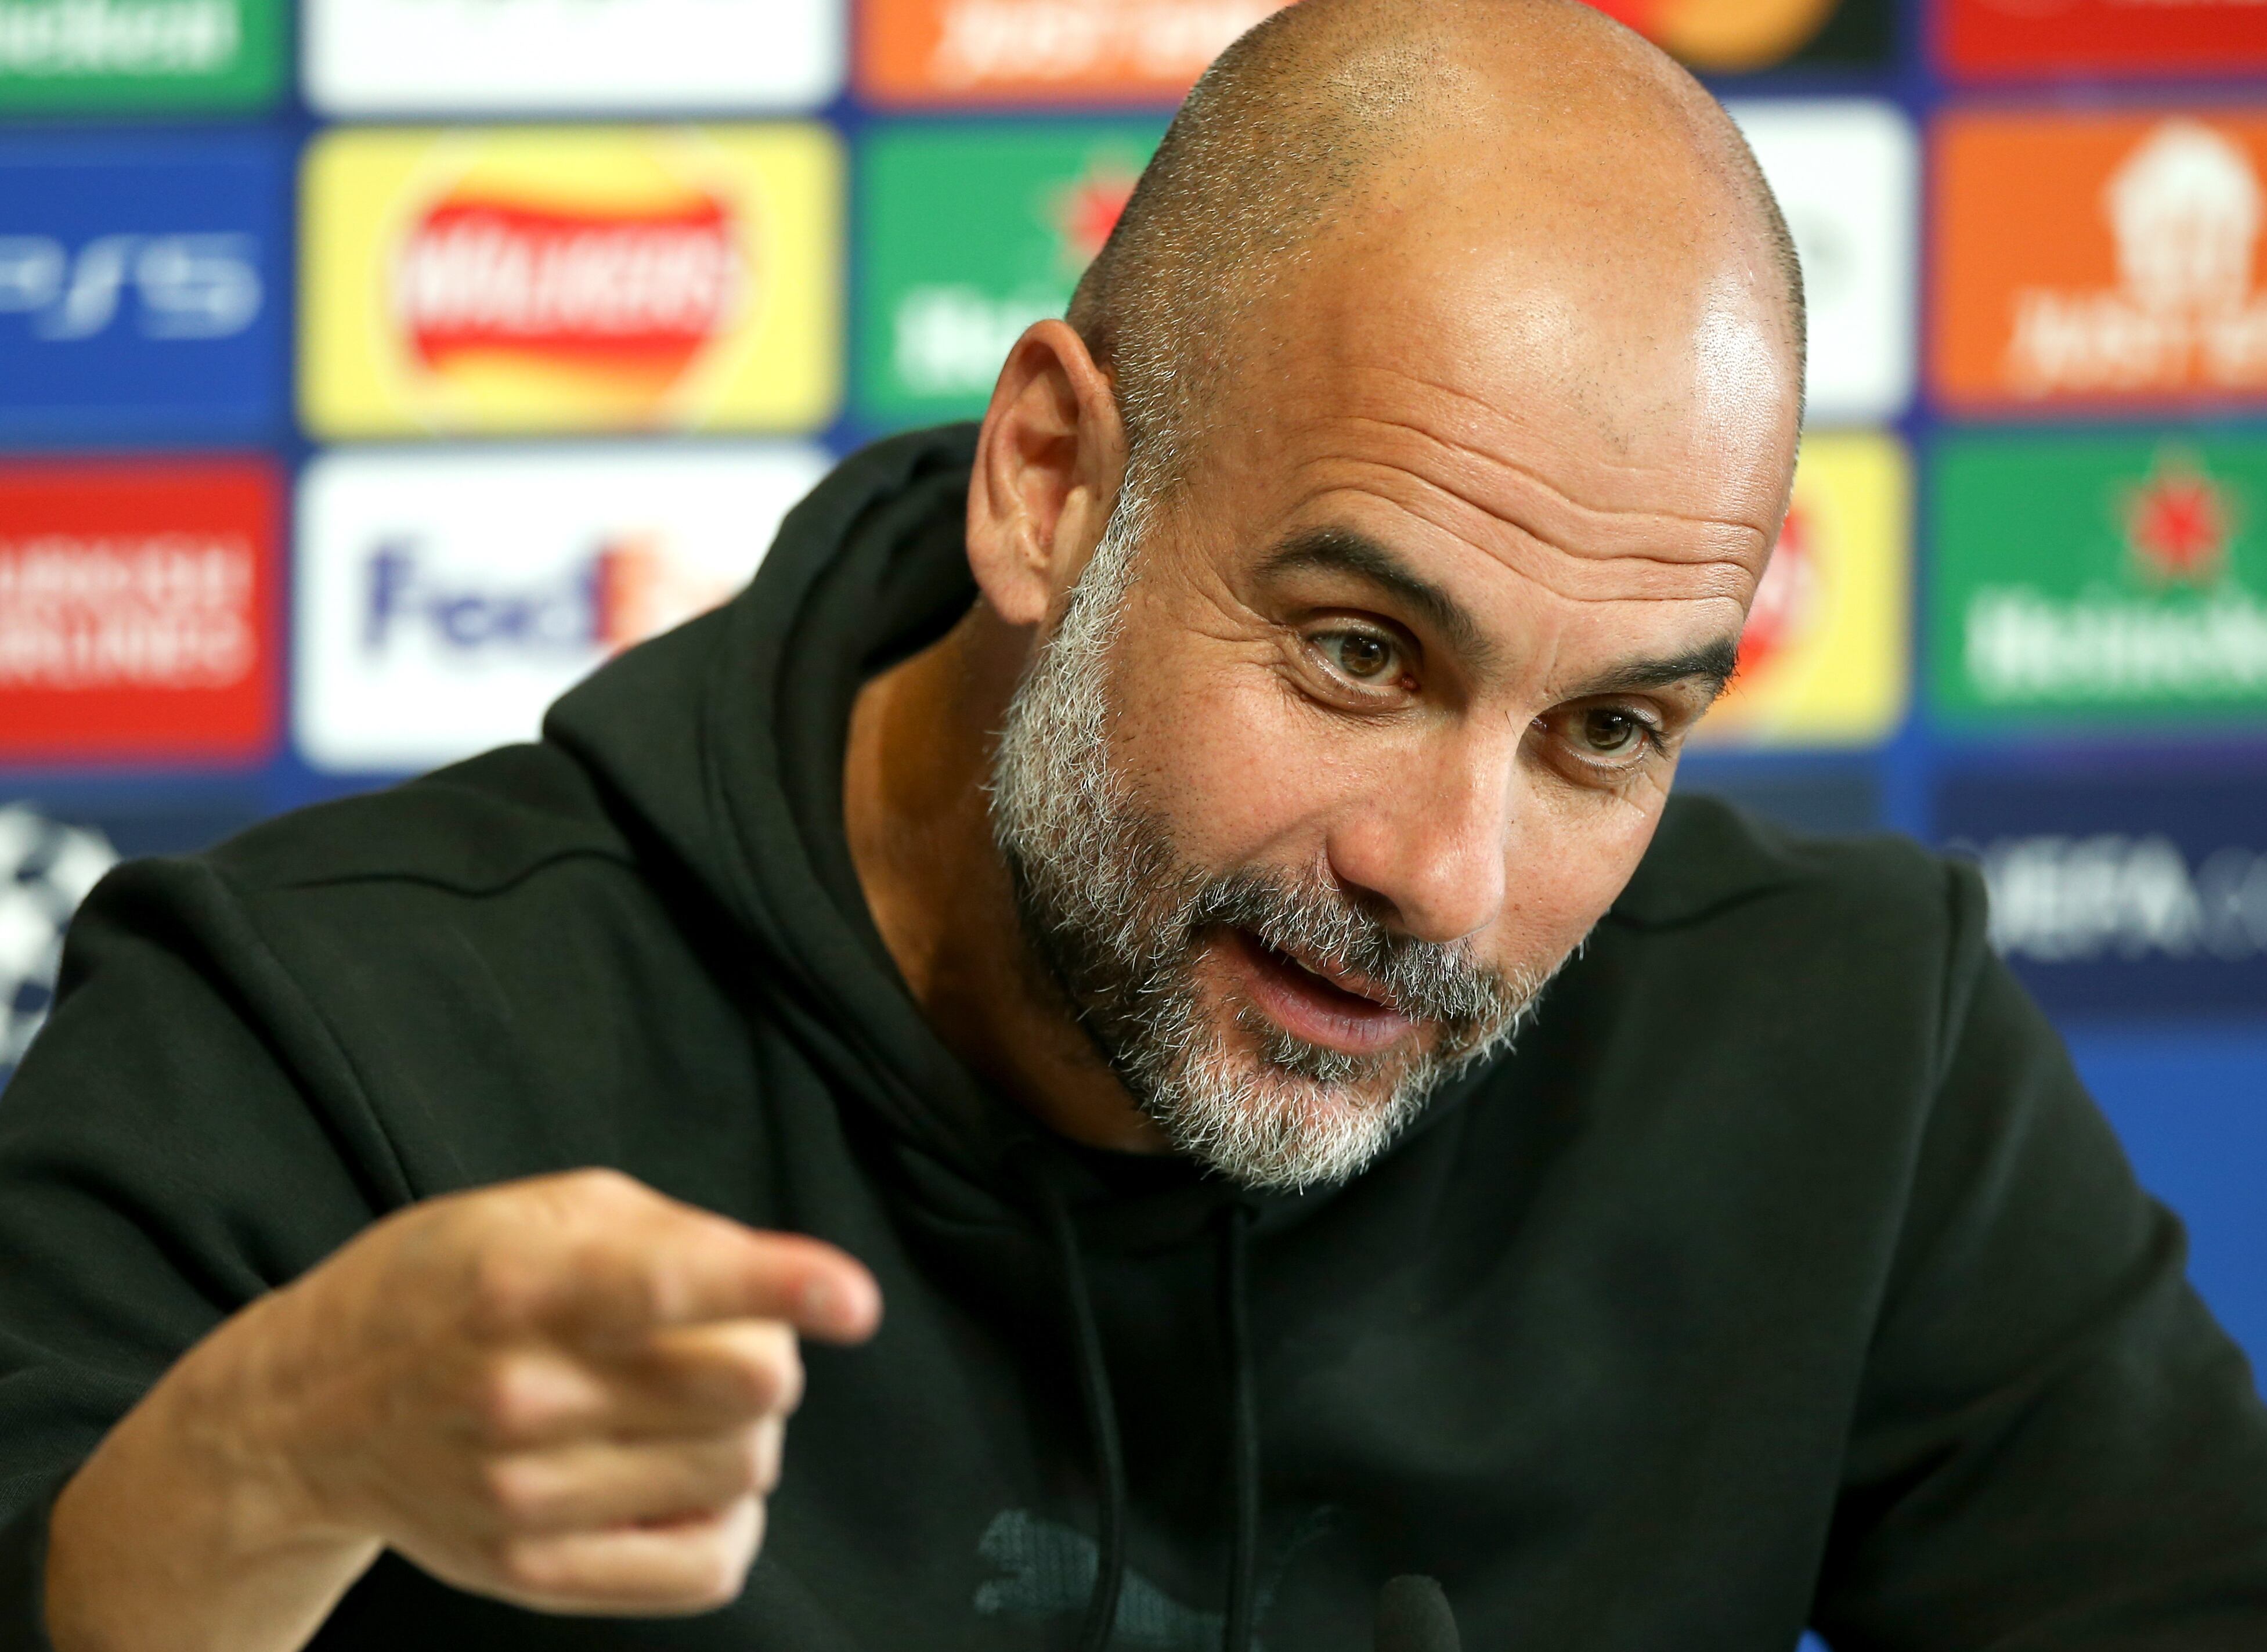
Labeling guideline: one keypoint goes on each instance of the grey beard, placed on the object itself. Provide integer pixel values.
(1118, 920)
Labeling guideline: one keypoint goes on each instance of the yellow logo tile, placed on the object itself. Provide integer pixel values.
(533, 279)
(1825, 659)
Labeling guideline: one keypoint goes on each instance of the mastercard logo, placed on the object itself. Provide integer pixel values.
(1823, 658)
(1728, 36)
(544, 279)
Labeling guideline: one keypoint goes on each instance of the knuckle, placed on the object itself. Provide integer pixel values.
(507, 1288)
(509, 1491)
(504, 1411)
(601, 1187)
(773, 1374)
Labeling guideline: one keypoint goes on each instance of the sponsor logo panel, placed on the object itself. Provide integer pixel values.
(131, 56)
(49, 859)
(2100, 579)
(444, 600)
(2119, 894)
(445, 56)
(1822, 660)
(1734, 37)
(143, 287)
(970, 234)
(1847, 173)
(998, 51)
(2110, 36)
(552, 279)
(2102, 259)
(136, 611)
(1837, 799)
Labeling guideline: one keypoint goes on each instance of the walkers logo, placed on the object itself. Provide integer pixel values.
(2100, 579)
(972, 235)
(2123, 895)
(445, 600)
(139, 54)
(521, 56)
(2108, 37)
(140, 288)
(2100, 258)
(993, 51)
(555, 280)
(1847, 175)
(136, 604)
(1822, 658)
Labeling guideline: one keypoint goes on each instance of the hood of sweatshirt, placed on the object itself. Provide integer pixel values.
(868, 569)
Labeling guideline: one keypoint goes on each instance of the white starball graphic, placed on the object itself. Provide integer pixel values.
(46, 869)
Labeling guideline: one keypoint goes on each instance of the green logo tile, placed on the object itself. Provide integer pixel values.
(101, 56)
(2081, 579)
(970, 233)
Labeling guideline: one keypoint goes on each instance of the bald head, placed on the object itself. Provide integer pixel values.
(1398, 143)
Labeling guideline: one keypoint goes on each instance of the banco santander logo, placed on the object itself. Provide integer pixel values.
(2102, 259)
(141, 287)
(445, 600)
(556, 280)
(2037, 38)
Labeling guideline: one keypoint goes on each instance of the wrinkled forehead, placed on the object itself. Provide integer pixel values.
(1639, 427)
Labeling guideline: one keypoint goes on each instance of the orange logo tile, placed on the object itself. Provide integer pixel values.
(2102, 259)
(1044, 51)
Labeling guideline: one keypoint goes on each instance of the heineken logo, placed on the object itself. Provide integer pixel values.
(1087, 212)
(973, 236)
(2177, 524)
(2107, 577)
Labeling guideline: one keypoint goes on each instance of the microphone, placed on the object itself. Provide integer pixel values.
(1413, 1616)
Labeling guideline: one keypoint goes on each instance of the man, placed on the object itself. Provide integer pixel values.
(1094, 880)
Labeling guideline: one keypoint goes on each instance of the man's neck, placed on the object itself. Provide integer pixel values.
(921, 838)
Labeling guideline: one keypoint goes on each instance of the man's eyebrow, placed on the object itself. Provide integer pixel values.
(1344, 550)
(1711, 663)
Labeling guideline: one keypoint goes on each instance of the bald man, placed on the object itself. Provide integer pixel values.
(1173, 892)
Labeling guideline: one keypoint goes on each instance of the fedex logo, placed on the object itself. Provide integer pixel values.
(176, 286)
(138, 279)
(445, 599)
(563, 613)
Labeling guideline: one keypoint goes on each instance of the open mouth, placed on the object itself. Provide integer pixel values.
(1336, 1011)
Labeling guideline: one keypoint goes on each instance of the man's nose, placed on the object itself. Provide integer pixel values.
(1432, 845)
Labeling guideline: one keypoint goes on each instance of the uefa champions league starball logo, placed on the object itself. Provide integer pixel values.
(46, 870)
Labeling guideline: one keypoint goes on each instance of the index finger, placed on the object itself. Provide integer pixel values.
(681, 1267)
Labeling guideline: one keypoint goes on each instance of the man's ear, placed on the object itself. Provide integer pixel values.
(1048, 464)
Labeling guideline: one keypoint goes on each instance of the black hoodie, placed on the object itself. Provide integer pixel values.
(1783, 1274)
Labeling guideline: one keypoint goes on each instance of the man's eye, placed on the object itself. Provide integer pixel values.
(1604, 731)
(1363, 655)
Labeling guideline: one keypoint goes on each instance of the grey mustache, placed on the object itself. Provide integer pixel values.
(1425, 980)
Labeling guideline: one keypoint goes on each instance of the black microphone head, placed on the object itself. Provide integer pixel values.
(1413, 1616)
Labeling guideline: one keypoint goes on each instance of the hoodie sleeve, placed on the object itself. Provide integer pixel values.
(2056, 1448)
(162, 1163)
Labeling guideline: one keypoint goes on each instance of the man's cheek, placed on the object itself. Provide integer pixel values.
(1235, 764)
